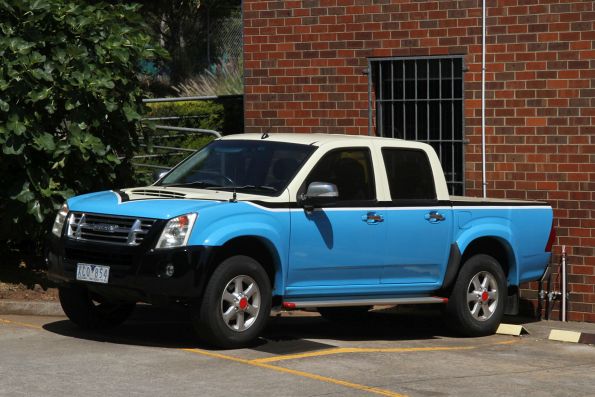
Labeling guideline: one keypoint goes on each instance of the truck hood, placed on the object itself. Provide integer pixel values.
(153, 202)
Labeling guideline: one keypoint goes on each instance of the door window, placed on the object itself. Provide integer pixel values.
(349, 169)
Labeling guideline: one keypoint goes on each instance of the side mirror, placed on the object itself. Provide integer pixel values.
(159, 173)
(318, 194)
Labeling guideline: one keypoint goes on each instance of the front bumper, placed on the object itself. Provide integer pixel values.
(136, 273)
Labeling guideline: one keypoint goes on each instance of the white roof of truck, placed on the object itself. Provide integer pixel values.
(321, 139)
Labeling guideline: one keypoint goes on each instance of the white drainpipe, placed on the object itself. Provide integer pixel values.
(564, 283)
(484, 180)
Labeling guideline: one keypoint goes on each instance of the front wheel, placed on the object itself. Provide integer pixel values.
(92, 311)
(236, 303)
(476, 304)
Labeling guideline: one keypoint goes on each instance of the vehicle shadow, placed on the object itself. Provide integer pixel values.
(148, 326)
(389, 324)
(284, 334)
(292, 334)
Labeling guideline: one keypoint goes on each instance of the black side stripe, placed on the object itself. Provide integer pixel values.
(404, 204)
(376, 204)
(463, 203)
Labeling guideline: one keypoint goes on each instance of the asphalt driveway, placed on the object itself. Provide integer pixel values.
(389, 353)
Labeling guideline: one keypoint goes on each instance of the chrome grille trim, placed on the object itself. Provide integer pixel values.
(108, 229)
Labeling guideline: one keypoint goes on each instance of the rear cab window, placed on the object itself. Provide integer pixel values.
(409, 174)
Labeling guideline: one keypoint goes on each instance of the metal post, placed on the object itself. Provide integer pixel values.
(187, 129)
(392, 99)
(416, 101)
(483, 101)
(369, 98)
(452, 125)
(380, 103)
(188, 98)
(404, 107)
(563, 283)
(441, 144)
(209, 35)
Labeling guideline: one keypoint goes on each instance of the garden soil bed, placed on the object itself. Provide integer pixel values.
(20, 291)
(19, 282)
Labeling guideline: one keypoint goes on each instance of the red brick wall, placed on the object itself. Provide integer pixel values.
(304, 62)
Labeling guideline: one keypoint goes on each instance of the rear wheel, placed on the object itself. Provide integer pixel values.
(236, 303)
(476, 304)
(344, 313)
(92, 311)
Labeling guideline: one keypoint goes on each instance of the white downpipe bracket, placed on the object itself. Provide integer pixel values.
(484, 181)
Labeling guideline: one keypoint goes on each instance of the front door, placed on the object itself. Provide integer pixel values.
(339, 249)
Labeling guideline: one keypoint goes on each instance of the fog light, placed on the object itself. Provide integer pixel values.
(169, 270)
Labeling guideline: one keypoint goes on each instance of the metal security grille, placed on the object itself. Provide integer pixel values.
(421, 99)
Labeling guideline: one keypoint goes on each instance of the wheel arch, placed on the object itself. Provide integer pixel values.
(496, 247)
(256, 247)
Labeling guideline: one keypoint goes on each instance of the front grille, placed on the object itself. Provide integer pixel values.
(158, 193)
(108, 229)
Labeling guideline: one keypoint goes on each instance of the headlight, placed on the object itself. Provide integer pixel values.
(177, 231)
(59, 221)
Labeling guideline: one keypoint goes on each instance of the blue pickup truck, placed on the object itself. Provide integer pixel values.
(253, 223)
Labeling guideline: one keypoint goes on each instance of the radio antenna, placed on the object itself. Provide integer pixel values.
(265, 134)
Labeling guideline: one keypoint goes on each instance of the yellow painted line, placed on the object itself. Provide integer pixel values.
(346, 350)
(27, 325)
(351, 385)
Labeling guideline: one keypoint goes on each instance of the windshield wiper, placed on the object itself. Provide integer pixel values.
(244, 187)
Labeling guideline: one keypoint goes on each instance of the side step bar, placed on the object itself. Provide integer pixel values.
(302, 304)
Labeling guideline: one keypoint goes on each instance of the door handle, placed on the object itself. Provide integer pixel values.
(434, 217)
(372, 218)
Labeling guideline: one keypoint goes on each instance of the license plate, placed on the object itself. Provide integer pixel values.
(94, 273)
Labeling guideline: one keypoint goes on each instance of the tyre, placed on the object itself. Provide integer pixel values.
(236, 303)
(92, 311)
(476, 304)
(344, 314)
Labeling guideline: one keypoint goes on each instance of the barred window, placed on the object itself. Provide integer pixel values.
(421, 99)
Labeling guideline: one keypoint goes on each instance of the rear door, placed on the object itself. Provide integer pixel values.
(419, 227)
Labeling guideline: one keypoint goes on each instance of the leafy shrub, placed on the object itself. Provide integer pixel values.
(70, 105)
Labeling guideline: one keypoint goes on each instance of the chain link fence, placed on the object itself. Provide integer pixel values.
(227, 38)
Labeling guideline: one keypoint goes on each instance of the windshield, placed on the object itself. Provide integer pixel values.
(260, 167)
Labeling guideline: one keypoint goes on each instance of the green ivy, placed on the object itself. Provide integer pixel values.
(70, 105)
